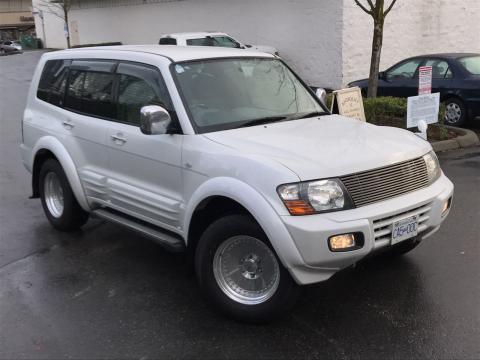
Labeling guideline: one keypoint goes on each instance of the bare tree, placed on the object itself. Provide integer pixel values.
(376, 9)
(61, 9)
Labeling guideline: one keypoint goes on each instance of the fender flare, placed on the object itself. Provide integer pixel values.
(53, 145)
(257, 205)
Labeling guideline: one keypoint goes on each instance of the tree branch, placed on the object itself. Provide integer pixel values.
(389, 8)
(371, 4)
(369, 12)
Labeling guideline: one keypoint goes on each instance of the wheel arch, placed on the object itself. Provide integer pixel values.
(229, 195)
(50, 148)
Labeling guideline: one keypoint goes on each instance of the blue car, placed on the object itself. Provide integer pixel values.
(455, 76)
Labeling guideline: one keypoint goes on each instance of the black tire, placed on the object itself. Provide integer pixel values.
(404, 247)
(456, 112)
(73, 216)
(216, 234)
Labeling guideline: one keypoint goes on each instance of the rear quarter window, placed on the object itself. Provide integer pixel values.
(51, 87)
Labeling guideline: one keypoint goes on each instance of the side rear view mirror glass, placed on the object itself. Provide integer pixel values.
(321, 95)
(154, 120)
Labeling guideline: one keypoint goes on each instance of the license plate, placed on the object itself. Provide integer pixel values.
(404, 229)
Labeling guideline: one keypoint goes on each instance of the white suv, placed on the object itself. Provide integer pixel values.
(225, 154)
(211, 38)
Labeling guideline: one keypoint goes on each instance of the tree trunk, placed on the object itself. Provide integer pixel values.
(375, 61)
(67, 27)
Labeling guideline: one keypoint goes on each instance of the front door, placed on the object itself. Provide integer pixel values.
(145, 177)
(401, 80)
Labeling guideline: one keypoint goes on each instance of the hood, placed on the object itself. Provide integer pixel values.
(326, 146)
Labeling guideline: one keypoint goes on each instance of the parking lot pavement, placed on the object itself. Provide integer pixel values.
(105, 292)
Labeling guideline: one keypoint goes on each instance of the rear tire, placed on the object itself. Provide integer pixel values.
(455, 112)
(58, 201)
(240, 274)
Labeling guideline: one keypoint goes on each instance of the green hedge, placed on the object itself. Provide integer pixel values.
(390, 111)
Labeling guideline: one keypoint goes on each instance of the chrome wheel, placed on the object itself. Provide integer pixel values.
(246, 270)
(53, 192)
(453, 113)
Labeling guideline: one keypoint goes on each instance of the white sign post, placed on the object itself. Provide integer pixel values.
(424, 80)
(423, 108)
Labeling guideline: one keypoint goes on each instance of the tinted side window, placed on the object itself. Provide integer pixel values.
(53, 81)
(405, 70)
(139, 85)
(225, 41)
(439, 68)
(201, 42)
(168, 41)
(97, 97)
(90, 89)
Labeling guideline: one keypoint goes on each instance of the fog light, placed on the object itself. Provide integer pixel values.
(446, 206)
(342, 242)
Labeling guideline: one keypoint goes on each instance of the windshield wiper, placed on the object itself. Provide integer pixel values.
(307, 115)
(264, 120)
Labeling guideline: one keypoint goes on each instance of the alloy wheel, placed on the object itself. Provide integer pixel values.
(246, 270)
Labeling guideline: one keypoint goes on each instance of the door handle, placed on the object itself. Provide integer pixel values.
(67, 124)
(118, 139)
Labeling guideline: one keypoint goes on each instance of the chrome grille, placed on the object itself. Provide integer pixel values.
(387, 182)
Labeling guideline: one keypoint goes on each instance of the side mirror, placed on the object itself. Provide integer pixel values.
(382, 75)
(154, 120)
(321, 94)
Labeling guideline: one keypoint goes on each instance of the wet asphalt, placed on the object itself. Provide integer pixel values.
(105, 292)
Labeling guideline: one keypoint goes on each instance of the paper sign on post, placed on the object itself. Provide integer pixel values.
(425, 80)
(350, 103)
(423, 107)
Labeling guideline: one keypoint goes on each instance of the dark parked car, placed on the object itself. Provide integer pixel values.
(455, 76)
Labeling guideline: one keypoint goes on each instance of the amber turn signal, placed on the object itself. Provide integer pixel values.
(299, 207)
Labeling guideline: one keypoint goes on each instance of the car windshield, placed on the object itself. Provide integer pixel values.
(223, 94)
(471, 64)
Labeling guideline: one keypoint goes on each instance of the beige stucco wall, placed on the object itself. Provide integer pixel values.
(413, 27)
(15, 18)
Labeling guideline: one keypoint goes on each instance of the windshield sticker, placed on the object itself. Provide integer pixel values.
(179, 69)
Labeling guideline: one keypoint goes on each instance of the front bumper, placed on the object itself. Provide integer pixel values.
(310, 233)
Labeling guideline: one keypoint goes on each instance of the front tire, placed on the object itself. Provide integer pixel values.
(58, 201)
(239, 272)
(455, 112)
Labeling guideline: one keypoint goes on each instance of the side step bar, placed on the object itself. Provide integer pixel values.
(167, 239)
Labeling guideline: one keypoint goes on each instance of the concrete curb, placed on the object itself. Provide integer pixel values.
(466, 138)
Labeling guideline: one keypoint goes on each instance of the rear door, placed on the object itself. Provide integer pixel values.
(401, 80)
(145, 177)
(89, 101)
(442, 76)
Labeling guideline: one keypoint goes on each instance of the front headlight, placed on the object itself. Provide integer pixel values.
(433, 166)
(307, 198)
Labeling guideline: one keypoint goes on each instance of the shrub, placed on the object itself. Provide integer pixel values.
(391, 111)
